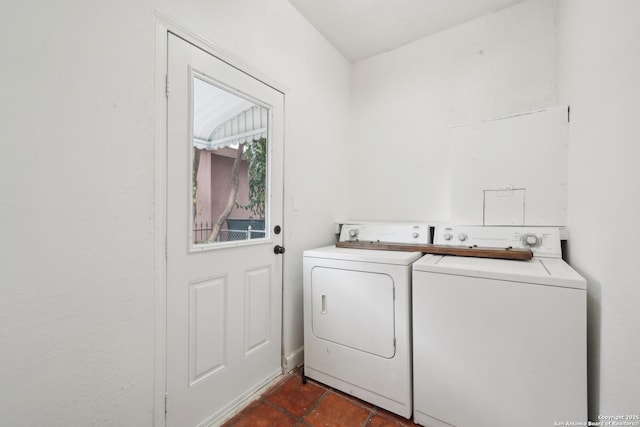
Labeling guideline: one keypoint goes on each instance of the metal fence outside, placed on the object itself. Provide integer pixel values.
(202, 230)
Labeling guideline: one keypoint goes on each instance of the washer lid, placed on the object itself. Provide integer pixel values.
(364, 255)
(542, 271)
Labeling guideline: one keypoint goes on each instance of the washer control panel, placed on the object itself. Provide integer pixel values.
(386, 233)
(543, 241)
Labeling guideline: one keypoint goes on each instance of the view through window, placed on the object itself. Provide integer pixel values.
(229, 170)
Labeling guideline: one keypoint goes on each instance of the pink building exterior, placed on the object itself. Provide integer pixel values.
(214, 185)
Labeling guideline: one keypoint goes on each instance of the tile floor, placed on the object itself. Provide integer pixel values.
(291, 403)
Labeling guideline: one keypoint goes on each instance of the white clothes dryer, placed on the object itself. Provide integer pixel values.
(357, 315)
(499, 343)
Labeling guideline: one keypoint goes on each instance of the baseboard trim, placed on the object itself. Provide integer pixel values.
(293, 360)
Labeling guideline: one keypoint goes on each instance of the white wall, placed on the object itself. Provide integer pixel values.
(77, 122)
(405, 100)
(76, 178)
(599, 76)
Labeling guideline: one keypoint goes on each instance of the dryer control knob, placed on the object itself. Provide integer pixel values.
(448, 236)
(530, 240)
(353, 233)
(462, 237)
(415, 235)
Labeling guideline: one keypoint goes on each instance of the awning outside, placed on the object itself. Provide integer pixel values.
(222, 119)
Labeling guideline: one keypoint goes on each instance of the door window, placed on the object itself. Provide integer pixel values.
(229, 166)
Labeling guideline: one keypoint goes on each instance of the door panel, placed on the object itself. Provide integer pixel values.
(207, 335)
(223, 293)
(257, 308)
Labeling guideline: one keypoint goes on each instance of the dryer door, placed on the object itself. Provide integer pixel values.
(354, 309)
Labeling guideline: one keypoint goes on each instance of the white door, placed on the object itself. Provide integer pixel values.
(224, 284)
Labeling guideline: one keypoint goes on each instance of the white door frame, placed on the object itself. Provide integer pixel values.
(165, 25)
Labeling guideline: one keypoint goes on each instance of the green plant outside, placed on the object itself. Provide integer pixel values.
(256, 155)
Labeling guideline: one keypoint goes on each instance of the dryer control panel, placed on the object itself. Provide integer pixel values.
(386, 233)
(543, 241)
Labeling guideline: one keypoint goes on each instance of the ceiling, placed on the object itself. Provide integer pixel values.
(363, 28)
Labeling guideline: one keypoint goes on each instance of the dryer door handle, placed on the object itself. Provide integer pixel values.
(323, 299)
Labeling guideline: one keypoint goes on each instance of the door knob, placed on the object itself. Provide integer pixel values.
(278, 250)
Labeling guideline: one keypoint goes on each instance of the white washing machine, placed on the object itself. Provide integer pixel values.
(357, 315)
(499, 343)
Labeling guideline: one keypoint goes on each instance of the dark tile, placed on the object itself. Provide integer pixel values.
(394, 417)
(250, 407)
(379, 421)
(295, 397)
(337, 411)
(264, 415)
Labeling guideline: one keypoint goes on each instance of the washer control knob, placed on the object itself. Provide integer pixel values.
(462, 237)
(415, 235)
(448, 236)
(353, 233)
(530, 240)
